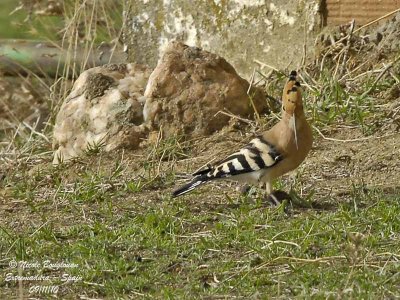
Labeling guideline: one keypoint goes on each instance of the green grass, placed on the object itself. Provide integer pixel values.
(334, 102)
(15, 23)
(126, 241)
(16, 26)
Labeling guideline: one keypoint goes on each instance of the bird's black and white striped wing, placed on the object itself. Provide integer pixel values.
(258, 154)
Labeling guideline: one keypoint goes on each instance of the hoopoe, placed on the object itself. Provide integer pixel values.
(277, 151)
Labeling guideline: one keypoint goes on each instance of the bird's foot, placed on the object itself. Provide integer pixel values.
(277, 197)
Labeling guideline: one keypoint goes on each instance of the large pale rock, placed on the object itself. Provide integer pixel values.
(242, 31)
(104, 108)
(189, 86)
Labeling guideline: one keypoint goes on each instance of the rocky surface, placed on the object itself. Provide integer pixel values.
(241, 31)
(117, 105)
(386, 36)
(190, 86)
(104, 108)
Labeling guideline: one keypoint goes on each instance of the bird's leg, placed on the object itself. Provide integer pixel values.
(270, 195)
(268, 187)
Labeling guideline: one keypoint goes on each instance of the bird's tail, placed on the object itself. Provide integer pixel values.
(197, 181)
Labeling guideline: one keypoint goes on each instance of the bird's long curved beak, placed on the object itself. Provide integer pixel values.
(294, 128)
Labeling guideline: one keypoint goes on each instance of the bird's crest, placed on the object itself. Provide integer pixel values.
(291, 98)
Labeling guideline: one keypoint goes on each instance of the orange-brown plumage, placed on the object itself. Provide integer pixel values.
(292, 135)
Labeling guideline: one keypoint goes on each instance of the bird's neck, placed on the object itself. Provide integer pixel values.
(292, 130)
(299, 115)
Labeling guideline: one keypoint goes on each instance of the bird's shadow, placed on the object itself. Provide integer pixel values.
(295, 201)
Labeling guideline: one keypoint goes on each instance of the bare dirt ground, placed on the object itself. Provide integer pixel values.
(335, 172)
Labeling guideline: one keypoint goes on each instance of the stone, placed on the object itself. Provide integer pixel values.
(190, 86)
(104, 109)
(245, 32)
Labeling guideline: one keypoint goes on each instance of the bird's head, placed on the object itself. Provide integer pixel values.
(292, 103)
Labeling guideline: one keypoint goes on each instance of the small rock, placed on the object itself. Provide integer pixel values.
(104, 108)
(188, 88)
